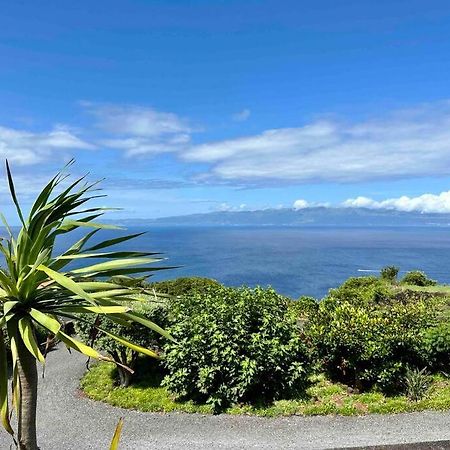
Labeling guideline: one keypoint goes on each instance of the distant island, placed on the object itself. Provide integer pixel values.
(313, 216)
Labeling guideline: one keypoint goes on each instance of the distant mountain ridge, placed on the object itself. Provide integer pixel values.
(313, 216)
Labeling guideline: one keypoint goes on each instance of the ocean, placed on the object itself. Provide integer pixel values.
(294, 261)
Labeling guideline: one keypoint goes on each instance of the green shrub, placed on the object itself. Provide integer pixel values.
(437, 346)
(137, 333)
(363, 341)
(302, 309)
(360, 291)
(304, 306)
(235, 345)
(389, 273)
(182, 286)
(418, 278)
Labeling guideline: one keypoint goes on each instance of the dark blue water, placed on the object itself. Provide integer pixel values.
(295, 261)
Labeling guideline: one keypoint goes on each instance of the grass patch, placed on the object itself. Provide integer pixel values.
(323, 397)
(438, 289)
(145, 394)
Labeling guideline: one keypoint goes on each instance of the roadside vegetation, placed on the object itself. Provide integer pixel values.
(372, 345)
(41, 290)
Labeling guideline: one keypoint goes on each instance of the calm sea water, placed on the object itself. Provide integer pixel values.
(295, 261)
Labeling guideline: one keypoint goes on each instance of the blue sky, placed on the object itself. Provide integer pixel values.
(197, 106)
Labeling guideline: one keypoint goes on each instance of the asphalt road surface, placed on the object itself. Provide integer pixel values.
(68, 421)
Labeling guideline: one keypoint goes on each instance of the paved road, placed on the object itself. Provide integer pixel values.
(67, 421)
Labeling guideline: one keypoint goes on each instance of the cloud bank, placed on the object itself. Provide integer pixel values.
(404, 144)
(426, 203)
(138, 130)
(25, 147)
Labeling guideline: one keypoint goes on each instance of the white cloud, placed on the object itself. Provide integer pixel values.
(241, 116)
(138, 130)
(303, 204)
(300, 204)
(228, 207)
(426, 203)
(135, 145)
(403, 144)
(25, 147)
(136, 120)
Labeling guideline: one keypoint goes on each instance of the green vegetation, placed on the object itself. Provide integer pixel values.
(321, 398)
(147, 308)
(417, 383)
(183, 286)
(235, 345)
(145, 393)
(372, 345)
(417, 278)
(40, 290)
(432, 289)
(389, 273)
(437, 346)
(364, 336)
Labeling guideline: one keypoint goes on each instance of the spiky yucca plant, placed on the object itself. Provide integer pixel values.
(39, 288)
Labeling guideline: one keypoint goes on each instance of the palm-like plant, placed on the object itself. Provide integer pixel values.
(39, 289)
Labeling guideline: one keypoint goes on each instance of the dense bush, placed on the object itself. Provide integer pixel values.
(418, 278)
(361, 291)
(137, 333)
(389, 273)
(184, 285)
(364, 337)
(437, 346)
(235, 345)
(303, 308)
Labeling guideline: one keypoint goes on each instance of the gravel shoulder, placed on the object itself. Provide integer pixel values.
(69, 421)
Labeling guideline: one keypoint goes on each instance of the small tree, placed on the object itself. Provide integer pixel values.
(38, 288)
(389, 273)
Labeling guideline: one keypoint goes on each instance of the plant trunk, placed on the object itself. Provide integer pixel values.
(358, 384)
(124, 377)
(28, 376)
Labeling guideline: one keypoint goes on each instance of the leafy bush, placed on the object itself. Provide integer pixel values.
(437, 346)
(418, 278)
(235, 345)
(364, 341)
(184, 285)
(389, 273)
(361, 291)
(305, 306)
(137, 333)
(417, 383)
